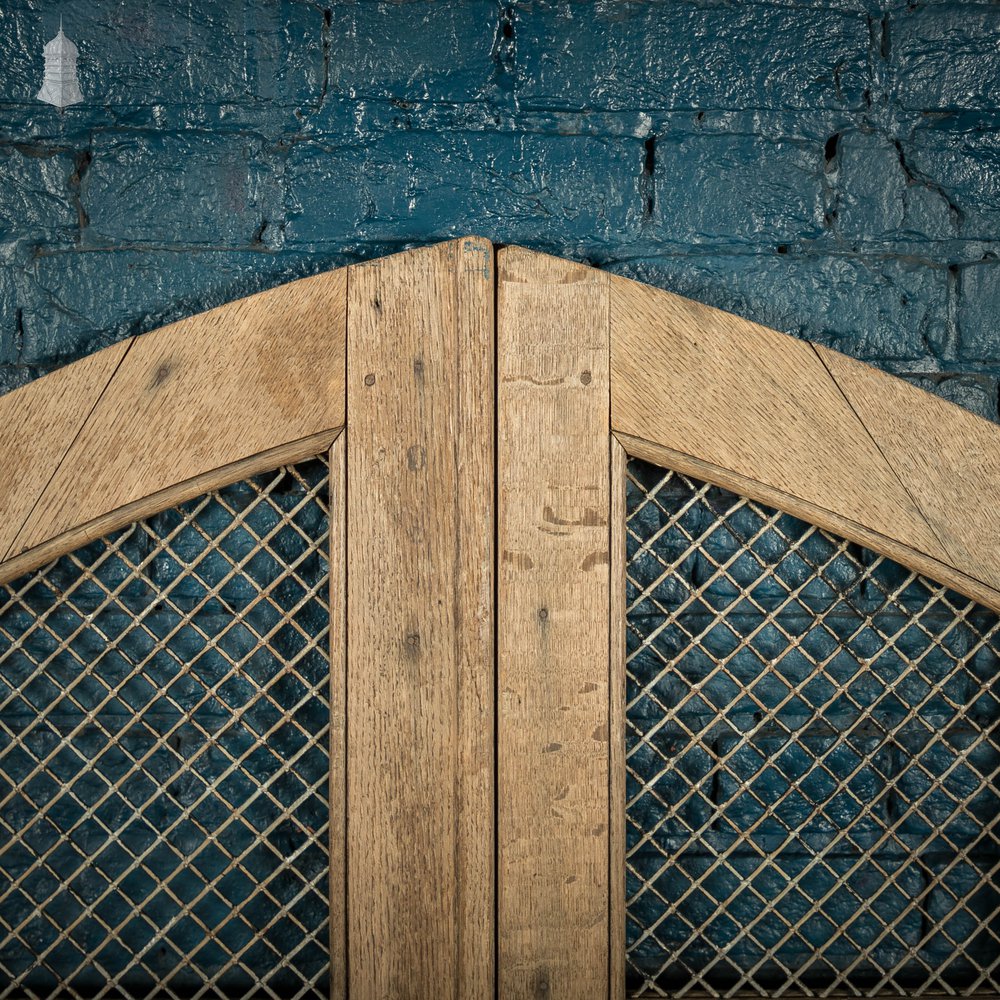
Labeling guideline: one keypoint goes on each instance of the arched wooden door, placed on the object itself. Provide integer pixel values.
(478, 411)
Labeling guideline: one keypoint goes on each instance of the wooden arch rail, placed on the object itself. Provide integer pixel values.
(488, 404)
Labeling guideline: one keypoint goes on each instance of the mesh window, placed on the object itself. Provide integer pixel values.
(164, 712)
(812, 801)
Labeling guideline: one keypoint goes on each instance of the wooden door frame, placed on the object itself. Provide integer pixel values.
(482, 711)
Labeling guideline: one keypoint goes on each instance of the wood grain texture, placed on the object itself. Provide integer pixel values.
(193, 397)
(420, 624)
(553, 496)
(947, 458)
(338, 719)
(38, 424)
(245, 388)
(753, 410)
(768, 494)
(616, 676)
(284, 454)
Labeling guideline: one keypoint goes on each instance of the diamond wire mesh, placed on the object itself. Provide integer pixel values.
(812, 793)
(164, 712)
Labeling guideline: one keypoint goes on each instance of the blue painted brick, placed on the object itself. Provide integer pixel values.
(979, 313)
(878, 197)
(22, 35)
(201, 54)
(220, 64)
(713, 188)
(69, 313)
(958, 161)
(10, 334)
(324, 140)
(413, 51)
(382, 125)
(977, 393)
(876, 310)
(14, 376)
(945, 56)
(690, 55)
(574, 191)
(36, 201)
(186, 189)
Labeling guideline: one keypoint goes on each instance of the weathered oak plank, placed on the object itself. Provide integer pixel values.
(715, 396)
(338, 718)
(616, 800)
(947, 459)
(553, 609)
(38, 424)
(420, 624)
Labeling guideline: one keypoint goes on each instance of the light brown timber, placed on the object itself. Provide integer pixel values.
(38, 424)
(948, 458)
(420, 393)
(338, 718)
(239, 390)
(553, 503)
(716, 396)
(747, 406)
(616, 807)
(755, 490)
(186, 400)
(283, 454)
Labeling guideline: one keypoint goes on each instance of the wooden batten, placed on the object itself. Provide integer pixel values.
(485, 416)
(420, 624)
(947, 458)
(38, 425)
(616, 702)
(553, 604)
(157, 419)
(338, 718)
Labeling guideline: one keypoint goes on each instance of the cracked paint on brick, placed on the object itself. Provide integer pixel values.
(828, 167)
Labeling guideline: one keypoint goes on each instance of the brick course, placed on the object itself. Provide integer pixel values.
(829, 168)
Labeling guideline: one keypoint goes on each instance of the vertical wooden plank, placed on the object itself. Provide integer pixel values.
(616, 808)
(420, 651)
(338, 718)
(553, 496)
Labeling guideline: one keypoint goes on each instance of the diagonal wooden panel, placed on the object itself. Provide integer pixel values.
(553, 604)
(38, 425)
(262, 381)
(420, 624)
(207, 392)
(946, 458)
(708, 393)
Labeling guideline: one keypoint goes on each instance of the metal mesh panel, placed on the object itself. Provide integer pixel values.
(812, 800)
(164, 712)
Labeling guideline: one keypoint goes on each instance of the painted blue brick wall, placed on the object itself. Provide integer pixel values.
(828, 167)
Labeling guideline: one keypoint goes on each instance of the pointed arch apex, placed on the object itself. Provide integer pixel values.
(796, 425)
